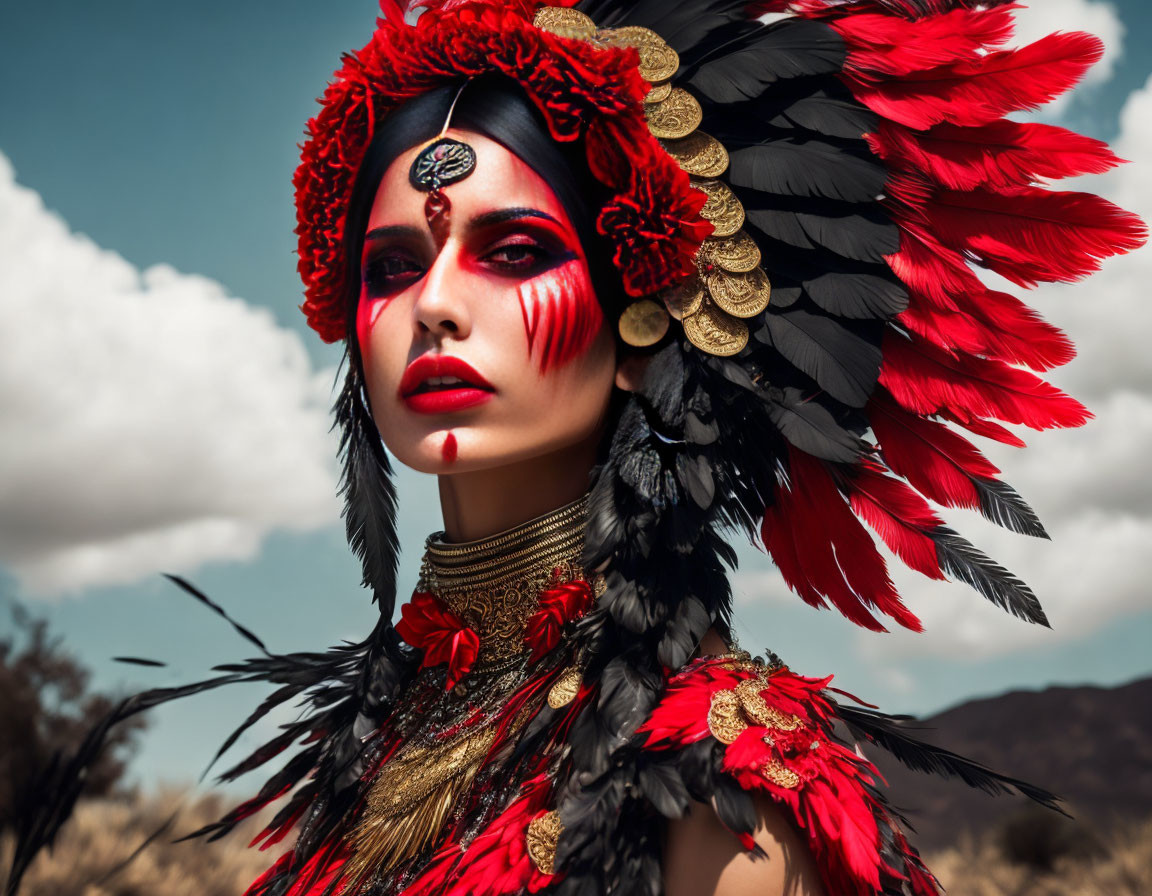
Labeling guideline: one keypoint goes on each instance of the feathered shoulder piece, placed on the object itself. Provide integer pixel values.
(729, 727)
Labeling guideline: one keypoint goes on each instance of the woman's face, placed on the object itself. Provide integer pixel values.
(488, 347)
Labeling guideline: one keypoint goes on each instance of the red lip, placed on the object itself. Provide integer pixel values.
(471, 391)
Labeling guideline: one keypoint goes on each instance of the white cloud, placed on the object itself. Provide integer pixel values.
(150, 421)
(1042, 17)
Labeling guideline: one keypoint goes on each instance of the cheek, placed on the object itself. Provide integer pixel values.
(367, 313)
(561, 314)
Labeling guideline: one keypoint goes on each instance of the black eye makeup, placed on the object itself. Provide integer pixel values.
(389, 270)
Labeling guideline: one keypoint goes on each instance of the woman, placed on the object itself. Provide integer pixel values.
(623, 276)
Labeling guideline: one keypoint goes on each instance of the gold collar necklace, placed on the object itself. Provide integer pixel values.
(493, 584)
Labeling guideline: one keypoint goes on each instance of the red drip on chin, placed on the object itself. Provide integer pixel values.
(448, 451)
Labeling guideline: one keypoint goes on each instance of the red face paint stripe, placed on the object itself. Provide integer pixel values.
(561, 307)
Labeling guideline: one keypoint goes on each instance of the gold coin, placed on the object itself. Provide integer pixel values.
(737, 253)
(658, 61)
(643, 323)
(685, 298)
(741, 295)
(724, 719)
(659, 93)
(565, 688)
(568, 23)
(542, 837)
(714, 332)
(700, 154)
(780, 775)
(722, 209)
(676, 117)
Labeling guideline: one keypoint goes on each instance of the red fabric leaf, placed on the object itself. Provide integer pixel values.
(980, 92)
(427, 624)
(1003, 154)
(927, 380)
(1032, 235)
(559, 605)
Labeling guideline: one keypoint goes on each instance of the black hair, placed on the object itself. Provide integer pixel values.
(498, 108)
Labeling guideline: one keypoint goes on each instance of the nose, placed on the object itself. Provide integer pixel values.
(441, 309)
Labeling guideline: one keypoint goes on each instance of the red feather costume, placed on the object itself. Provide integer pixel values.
(858, 154)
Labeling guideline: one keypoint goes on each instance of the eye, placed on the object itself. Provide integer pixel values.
(389, 271)
(519, 256)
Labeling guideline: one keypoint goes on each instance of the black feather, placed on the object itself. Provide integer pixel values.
(1000, 503)
(806, 168)
(891, 733)
(842, 363)
(747, 67)
(960, 559)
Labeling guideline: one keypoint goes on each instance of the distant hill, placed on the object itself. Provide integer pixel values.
(1090, 745)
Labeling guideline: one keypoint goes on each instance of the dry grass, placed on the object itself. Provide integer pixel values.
(1122, 866)
(104, 833)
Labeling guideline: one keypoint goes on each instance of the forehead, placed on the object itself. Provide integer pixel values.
(501, 180)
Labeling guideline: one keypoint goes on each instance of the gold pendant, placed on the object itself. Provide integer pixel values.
(565, 688)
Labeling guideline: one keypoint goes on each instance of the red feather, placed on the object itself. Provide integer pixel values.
(993, 324)
(898, 515)
(934, 459)
(836, 556)
(1033, 235)
(890, 45)
(926, 379)
(977, 93)
(999, 155)
(986, 428)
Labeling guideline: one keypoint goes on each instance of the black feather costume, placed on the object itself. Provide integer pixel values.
(868, 155)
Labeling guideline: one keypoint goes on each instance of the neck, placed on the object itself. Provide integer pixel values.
(482, 503)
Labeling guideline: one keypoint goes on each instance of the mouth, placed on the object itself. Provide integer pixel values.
(439, 384)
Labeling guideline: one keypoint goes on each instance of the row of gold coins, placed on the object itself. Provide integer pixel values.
(729, 285)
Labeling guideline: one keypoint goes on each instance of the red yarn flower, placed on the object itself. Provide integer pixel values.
(558, 606)
(427, 624)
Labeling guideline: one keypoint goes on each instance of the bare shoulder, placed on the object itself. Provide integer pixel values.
(704, 858)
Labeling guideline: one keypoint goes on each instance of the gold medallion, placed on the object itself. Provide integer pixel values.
(643, 323)
(676, 117)
(741, 295)
(714, 332)
(684, 299)
(568, 23)
(780, 775)
(723, 210)
(658, 61)
(737, 253)
(700, 154)
(724, 719)
(543, 835)
(750, 693)
(565, 688)
(659, 93)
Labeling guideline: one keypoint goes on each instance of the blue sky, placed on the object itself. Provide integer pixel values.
(164, 405)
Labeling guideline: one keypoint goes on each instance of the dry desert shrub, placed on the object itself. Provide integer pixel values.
(1120, 865)
(89, 856)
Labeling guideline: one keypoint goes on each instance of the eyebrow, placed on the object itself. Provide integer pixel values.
(393, 230)
(487, 219)
(503, 215)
